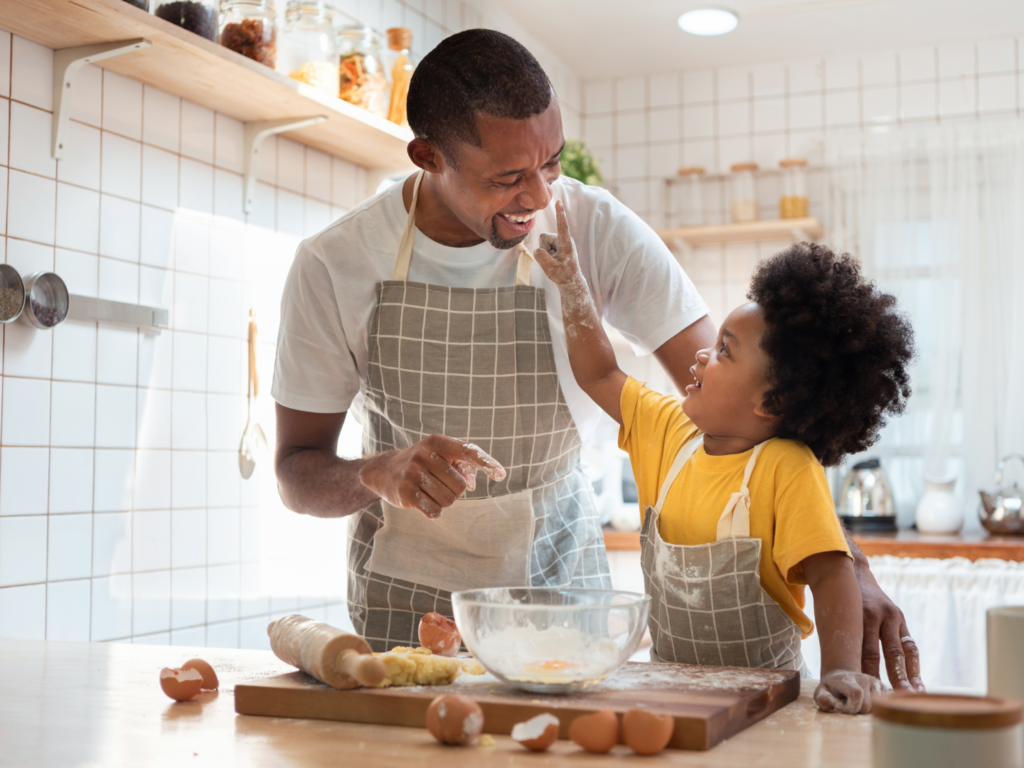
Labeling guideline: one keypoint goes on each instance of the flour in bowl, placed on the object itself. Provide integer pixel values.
(552, 655)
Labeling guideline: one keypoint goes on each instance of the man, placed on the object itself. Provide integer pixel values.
(417, 311)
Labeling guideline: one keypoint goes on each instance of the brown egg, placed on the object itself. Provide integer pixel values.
(180, 684)
(210, 681)
(538, 733)
(440, 635)
(645, 732)
(598, 732)
(453, 719)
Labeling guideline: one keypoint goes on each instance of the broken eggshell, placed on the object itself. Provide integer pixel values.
(645, 732)
(598, 732)
(453, 719)
(180, 684)
(538, 733)
(440, 635)
(210, 681)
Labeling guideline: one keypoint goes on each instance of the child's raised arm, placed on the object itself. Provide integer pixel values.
(590, 352)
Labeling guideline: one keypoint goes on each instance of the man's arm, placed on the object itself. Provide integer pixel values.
(680, 352)
(314, 480)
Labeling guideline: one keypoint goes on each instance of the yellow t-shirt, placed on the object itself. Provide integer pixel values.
(791, 509)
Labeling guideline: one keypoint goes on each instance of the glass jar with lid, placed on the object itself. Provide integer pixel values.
(306, 48)
(400, 65)
(198, 16)
(690, 196)
(745, 206)
(361, 70)
(249, 27)
(793, 203)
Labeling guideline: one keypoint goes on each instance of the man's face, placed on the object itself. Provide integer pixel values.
(500, 186)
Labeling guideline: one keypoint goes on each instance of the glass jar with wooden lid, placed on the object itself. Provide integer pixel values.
(690, 196)
(793, 203)
(400, 65)
(745, 205)
(305, 50)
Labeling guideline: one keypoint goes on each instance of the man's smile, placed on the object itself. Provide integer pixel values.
(520, 223)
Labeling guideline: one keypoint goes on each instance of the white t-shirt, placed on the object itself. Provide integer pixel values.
(322, 347)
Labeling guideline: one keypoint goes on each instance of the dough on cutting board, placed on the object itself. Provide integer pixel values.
(419, 666)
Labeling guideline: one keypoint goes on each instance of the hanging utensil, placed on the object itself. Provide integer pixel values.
(254, 442)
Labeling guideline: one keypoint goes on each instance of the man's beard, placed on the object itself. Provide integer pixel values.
(498, 241)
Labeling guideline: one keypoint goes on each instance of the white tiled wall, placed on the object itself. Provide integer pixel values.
(122, 512)
(643, 128)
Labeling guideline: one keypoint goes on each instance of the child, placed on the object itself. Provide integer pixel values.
(799, 377)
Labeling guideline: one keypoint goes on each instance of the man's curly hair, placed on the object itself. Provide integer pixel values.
(839, 350)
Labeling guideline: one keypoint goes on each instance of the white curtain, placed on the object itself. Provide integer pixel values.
(937, 217)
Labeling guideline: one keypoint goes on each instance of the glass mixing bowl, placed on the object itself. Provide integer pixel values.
(548, 640)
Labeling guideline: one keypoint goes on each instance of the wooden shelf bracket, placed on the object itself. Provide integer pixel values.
(255, 132)
(66, 63)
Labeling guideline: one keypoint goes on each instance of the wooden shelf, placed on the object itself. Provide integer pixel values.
(781, 229)
(206, 73)
(972, 546)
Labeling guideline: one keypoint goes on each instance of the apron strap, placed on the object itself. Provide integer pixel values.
(408, 234)
(523, 265)
(685, 452)
(735, 520)
(401, 271)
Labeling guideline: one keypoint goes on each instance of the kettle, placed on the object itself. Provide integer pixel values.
(866, 503)
(1001, 511)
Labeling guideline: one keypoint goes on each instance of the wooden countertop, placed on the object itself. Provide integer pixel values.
(71, 704)
(973, 545)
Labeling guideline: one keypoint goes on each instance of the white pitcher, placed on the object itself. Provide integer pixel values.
(938, 510)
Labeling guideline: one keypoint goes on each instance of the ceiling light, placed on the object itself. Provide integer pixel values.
(708, 21)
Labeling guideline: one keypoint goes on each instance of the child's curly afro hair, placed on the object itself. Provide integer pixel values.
(839, 350)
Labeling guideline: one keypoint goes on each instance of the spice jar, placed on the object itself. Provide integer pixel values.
(47, 300)
(793, 203)
(12, 293)
(361, 70)
(744, 193)
(198, 16)
(305, 48)
(399, 63)
(691, 202)
(247, 27)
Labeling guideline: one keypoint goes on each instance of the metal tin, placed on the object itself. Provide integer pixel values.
(10, 280)
(46, 300)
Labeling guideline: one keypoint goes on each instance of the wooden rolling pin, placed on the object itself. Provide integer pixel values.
(330, 655)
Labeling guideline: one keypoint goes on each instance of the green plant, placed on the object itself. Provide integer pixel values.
(578, 163)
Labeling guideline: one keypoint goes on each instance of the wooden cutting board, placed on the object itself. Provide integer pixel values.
(709, 704)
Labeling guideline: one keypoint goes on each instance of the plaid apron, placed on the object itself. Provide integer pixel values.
(474, 364)
(707, 602)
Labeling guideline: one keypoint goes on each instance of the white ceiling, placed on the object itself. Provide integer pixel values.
(605, 38)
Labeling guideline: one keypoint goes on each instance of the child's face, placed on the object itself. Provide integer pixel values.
(730, 381)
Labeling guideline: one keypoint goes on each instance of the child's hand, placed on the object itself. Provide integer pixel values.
(557, 253)
(846, 692)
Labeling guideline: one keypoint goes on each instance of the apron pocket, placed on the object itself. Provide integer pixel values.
(475, 544)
